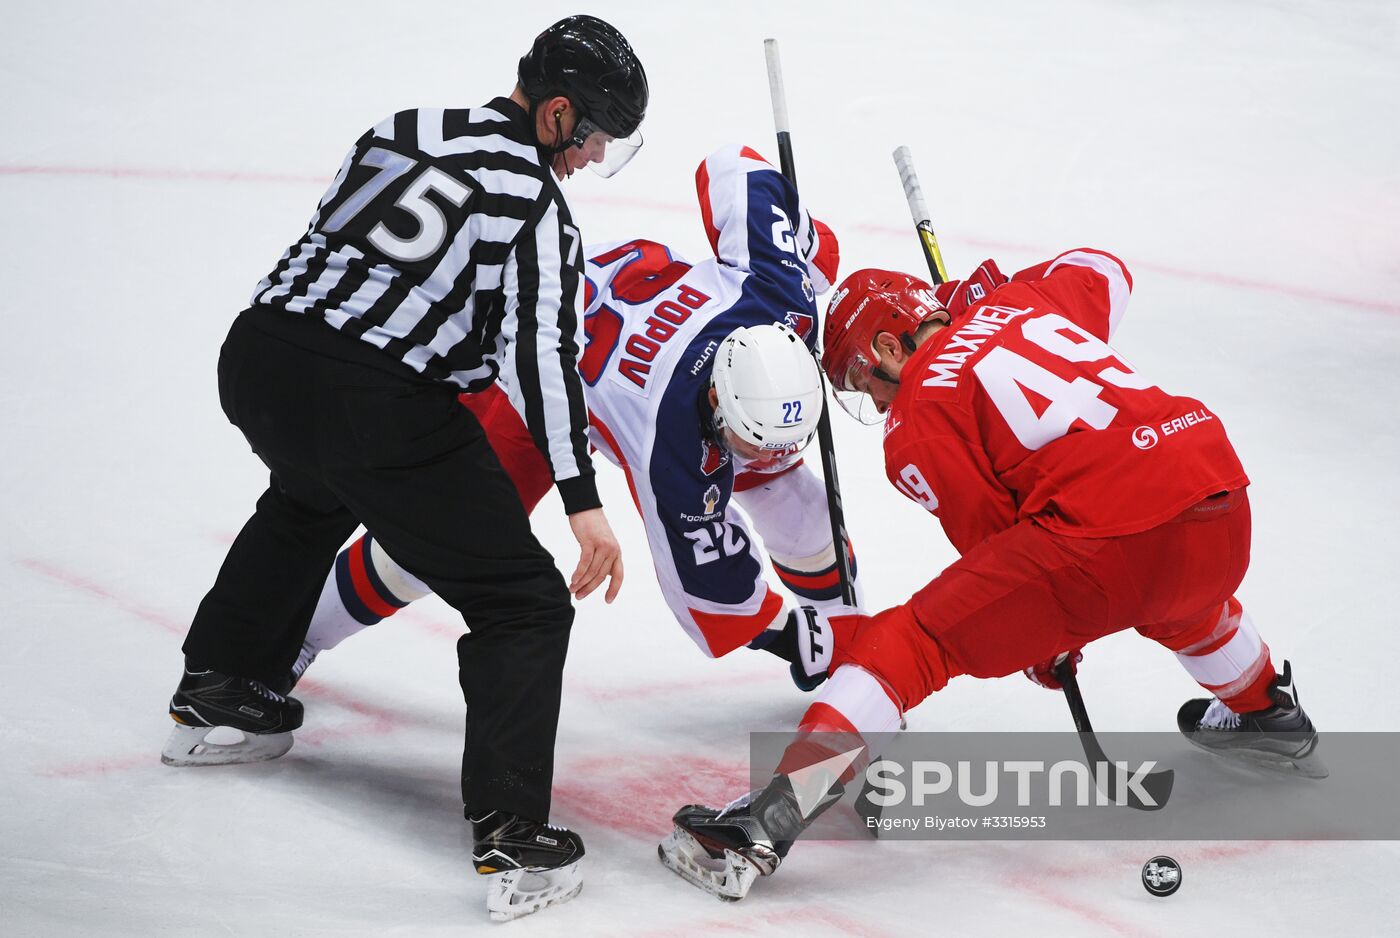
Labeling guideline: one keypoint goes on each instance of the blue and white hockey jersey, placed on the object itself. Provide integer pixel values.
(653, 322)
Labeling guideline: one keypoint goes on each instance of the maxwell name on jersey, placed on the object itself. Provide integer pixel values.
(987, 321)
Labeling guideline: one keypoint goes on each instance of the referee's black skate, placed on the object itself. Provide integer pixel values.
(531, 865)
(221, 719)
(1280, 737)
(723, 851)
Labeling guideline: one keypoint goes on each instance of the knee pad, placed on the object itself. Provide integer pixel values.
(894, 648)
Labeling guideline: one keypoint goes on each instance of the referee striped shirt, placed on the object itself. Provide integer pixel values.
(445, 242)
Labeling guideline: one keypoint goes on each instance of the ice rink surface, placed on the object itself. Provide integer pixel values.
(1243, 158)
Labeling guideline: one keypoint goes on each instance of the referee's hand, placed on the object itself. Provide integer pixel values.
(600, 556)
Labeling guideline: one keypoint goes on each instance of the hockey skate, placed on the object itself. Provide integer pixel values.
(1280, 738)
(224, 720)
(531, 865)
(723, 851)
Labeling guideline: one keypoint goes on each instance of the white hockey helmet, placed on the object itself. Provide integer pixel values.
(768, 388)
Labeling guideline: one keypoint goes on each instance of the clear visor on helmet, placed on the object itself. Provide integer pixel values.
(852, 390)
(606, 154)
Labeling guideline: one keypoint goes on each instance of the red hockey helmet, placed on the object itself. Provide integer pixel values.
(869, 302)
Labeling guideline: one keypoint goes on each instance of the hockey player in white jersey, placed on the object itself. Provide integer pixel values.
(701, 387)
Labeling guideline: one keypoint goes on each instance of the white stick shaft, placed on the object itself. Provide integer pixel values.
(775, 85)
(909, 178)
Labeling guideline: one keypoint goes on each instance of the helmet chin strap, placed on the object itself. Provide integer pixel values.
(910, 346)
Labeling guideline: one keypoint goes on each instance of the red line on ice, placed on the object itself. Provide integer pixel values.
(1046, 892)
(89, 767)
(1184, 273)
(377, 719)
(604, 694)
(606, 793)
(82, 584)
(233, 176)
(808, 918)
(163, 175)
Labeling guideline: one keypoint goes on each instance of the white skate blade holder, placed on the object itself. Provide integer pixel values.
(1270, 763)
(1305, 764)
(221, 745)
(514, 893)
(729, 879)
(1309, 766)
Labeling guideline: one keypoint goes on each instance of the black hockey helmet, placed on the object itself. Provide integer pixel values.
(589, 62)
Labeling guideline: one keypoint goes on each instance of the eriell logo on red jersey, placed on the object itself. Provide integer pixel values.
(1146, 437)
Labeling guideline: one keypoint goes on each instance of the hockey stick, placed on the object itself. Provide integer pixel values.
(825, 442)
(923, 223)
(1157, 784)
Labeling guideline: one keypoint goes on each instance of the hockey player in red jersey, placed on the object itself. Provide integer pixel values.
(1083, 500)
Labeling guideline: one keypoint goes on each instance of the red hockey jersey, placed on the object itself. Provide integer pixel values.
(1019, 409)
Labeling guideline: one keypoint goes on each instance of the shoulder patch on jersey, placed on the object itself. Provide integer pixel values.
(712, 458)
(801, 323)
(709, 507)
(711, 498)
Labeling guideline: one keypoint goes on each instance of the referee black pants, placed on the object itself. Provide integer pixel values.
(350, 444)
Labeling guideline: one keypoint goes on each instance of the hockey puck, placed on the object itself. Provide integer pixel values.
(1161, 876)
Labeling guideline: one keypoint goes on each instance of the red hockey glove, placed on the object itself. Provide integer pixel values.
(1044, 673)
(958, 295)
(823, 257)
